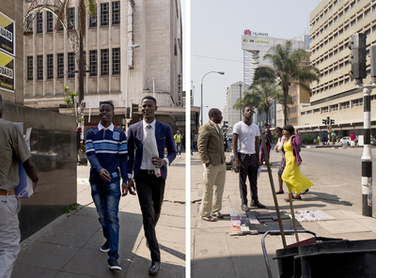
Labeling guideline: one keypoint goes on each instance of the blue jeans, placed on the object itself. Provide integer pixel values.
(106, 196)
(179, 148)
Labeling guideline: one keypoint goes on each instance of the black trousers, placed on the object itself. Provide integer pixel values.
(150, 190)
(249, 169)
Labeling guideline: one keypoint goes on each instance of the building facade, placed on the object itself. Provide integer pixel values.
(232, 94)
(336, 95)
(131, 49)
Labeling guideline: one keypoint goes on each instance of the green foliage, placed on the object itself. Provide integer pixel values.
(70, 208)
(69, 97)
(260, 97)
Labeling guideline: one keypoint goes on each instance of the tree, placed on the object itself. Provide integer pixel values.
(260, 97)
(88, 6)
(290, 67)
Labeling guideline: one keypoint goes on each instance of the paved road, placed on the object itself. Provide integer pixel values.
(337, 172)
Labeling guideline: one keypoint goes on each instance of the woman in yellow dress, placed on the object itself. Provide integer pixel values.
(294, 180)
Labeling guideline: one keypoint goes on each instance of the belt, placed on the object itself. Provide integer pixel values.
(246, 154)
(12, 192)
(148, 172)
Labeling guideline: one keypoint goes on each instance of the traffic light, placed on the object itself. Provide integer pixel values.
(324, 121)
(358, 57)
(332, 122)
(372, 56)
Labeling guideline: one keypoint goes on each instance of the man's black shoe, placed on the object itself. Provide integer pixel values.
(245, 208)
(258, 204)
(113, 264)
(154, 268)
(105, 247)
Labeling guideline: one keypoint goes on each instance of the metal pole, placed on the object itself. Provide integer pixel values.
(366, 159)
(240, 92)
(127, 83)
(201, 104)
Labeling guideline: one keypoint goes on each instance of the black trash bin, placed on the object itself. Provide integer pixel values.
(342, 258)
(287, 265)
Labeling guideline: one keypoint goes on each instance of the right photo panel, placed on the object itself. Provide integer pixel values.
(283, 138)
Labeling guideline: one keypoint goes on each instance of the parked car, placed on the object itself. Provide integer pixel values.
(345, 140)
(229, 137)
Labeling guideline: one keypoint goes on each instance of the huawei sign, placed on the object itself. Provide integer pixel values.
(247, 32)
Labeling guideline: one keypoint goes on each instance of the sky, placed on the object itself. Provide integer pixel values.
(216, 29)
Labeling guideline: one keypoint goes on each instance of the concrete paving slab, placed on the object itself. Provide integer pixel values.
(46, 255)
(343, 226)
(21, 270)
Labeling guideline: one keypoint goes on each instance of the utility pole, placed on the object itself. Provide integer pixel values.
(358, 73)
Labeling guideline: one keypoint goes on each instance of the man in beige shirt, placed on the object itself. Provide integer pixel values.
(12, 150)
(211, 149)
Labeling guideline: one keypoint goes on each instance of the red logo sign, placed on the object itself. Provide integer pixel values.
(247, 32)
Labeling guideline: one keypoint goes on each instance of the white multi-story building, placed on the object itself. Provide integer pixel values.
(114, 70)
(255, 45)
(232, 94)
(336, 96)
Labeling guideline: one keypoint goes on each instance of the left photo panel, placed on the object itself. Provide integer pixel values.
(92, 95)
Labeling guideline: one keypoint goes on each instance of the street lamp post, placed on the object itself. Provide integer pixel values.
(201, 105)
(240, 92)
(127, 82)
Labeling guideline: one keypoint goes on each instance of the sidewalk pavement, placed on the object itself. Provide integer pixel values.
(69, 246)
(216, 253)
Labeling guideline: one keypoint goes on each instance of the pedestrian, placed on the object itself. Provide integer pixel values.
(147, 140)
(106, 149)
(294, 180)
(212, 155)
(266, 136)
(352, 140)
(13, 150)
(196, 136)
(178, 142)
(246, 148)
(279, 149)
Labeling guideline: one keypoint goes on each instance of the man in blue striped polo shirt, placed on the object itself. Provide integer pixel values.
(106, 149)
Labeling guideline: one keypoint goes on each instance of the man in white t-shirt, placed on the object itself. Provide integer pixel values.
(246, 146)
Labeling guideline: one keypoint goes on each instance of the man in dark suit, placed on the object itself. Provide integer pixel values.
(150, 172)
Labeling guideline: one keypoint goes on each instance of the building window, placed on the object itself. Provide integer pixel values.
(93, 19)
(116, 61)
(357, 102)
(71, 64)
(49, 22)
(116, 13)
(50, 66)
(60, 65)
(334, 107)
(93, 62)
(345, 105)
(316, 110)
(71, 18)
(29, 68)
(29, 24)
(39, 23)
(39, 67)
(104, 14)
(324, 109)
(105, 66)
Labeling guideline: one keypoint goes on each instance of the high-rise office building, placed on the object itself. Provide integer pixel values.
(336, 95)
(131, 49)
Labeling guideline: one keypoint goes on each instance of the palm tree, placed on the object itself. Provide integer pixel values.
(88, 6)
(290, 67)
(260, 97)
